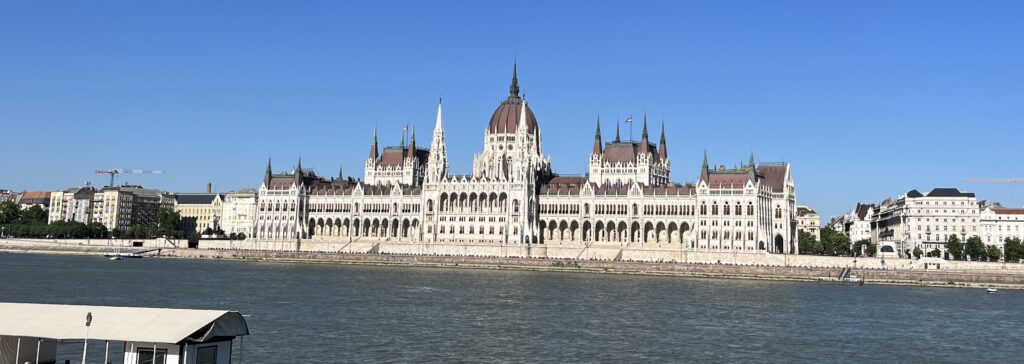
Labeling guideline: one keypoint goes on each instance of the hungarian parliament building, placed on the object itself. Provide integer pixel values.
(513, 198)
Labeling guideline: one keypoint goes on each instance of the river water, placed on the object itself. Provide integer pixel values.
(319, 313)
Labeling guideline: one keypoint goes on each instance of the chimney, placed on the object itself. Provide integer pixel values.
(209, 187)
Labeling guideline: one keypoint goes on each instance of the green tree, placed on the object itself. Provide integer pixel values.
(807, 242)
(241, 236)
(992, 253)
(975, 249)
(168, 224)
(34, 214)
(871, 250)
(935, 253)
(9, 212)
(954, 247)
(835, 243)
(918, 252)
(1012, 249)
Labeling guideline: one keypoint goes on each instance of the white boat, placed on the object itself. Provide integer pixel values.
(116, 257)
(991, 290)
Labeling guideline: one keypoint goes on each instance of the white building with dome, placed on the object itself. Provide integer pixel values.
(514, 199)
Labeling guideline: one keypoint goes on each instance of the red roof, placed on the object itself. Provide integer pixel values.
(774, 176)
(1006, 211)
(506, 117)
(626, 152)
(727, 180)
(392, 157)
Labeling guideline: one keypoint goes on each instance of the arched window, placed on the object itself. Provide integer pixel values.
(635, 210)
(515, 206)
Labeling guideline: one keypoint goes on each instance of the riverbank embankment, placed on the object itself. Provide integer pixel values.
(1013, 279)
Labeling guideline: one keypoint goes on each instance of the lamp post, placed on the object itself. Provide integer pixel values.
(85, 344)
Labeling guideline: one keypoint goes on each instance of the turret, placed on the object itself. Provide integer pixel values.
(438, 160)
(597, 137)
(298, 172)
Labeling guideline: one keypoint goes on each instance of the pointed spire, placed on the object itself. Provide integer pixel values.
(617, 133)
(704, 167)
(752, 165)
(268, 174)
(521, 126)
(513, 89)
(645, 125)
(597, 137)
(438, 124)
(662, 146)
(373, 145)
(341, 173)
(298, 172)
(645, 143)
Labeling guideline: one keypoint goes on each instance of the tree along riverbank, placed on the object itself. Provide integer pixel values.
(947, 278)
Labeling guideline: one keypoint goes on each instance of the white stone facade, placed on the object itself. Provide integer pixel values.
(239, 212)
(513, 199)
(998, 224)
(925, 220)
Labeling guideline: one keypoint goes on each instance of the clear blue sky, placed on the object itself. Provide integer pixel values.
(866, 99)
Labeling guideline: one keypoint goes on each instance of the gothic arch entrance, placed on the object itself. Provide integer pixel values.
(779, 247)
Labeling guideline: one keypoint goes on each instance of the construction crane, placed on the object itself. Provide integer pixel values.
(994, 180)
(113, 172)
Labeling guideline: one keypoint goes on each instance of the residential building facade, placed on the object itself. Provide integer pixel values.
(809, 221)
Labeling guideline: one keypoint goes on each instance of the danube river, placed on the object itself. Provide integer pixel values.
(317, 313)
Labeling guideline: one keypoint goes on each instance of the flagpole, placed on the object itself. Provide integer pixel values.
(629, 120)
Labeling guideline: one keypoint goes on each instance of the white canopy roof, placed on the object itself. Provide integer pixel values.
(157, 325)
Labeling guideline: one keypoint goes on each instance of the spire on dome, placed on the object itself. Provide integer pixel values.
(597, 137)
(341, 173)
(513, 89)
(617, 133)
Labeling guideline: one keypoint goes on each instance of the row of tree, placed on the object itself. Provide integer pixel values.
(976, 250)
(31, 223)
(832, 243)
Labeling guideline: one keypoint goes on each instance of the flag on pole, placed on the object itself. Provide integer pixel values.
(629, 120)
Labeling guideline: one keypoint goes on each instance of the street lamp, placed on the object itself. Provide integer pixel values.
(85, 344)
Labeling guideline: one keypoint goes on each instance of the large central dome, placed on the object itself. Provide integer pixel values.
(506, 117)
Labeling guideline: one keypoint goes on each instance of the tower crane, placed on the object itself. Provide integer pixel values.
(994, 180)
(113, 172)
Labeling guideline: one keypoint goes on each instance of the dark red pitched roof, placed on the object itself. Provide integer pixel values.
(626, 151)
(774, 176)
(728, 180)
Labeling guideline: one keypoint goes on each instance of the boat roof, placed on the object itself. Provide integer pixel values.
(144, 324)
